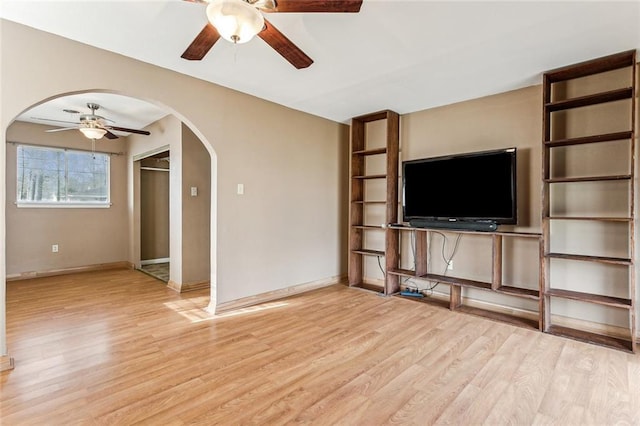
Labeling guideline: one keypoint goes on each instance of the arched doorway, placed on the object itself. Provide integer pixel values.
(118, 248)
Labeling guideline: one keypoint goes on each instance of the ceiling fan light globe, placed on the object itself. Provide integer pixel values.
(236, 20)
(93, 132)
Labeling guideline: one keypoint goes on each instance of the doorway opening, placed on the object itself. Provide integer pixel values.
(154, 215)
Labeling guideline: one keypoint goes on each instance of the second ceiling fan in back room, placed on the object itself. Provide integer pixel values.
(238, 21)
(92, 125)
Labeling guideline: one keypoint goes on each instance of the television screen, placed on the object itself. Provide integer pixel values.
(478, 186)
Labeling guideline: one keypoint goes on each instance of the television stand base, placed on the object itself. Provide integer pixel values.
(455, 225)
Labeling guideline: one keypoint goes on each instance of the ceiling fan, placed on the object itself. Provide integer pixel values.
(93, 126)
(239, 20)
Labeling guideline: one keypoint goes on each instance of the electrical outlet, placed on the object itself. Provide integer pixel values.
(450, 265)
(54, 248)
(240, 189)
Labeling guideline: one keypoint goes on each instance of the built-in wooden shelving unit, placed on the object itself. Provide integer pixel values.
(555, 100)
(560, 101)
(359, 178)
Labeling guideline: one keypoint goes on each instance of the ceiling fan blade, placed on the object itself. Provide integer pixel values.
(62, 129)
(124, 129)
(326, 6)
(203, 42)
(284, 46)
(110, 135)
(57, 121)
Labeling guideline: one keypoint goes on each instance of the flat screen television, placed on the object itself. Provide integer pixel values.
(473, 190)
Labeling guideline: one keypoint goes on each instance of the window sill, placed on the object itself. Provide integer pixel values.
(64, 205)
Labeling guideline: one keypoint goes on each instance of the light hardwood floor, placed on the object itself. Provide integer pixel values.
(118, 348)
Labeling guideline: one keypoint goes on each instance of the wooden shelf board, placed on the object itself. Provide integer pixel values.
(595, 99)
(462, 231)
(593, 66)
(369, 286)
(457, 281)
(369, 202)
(592, 218)
(403, 273)
(367, 252)
(499, 316)
(370, 177)
(368, 227)
(374, 116)
(588, 337)
(371, 151)
(598, 259)
(614, 302)
(519, 292)
(588, 179)
(608, 137)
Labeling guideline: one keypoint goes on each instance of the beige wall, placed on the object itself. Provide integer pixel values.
(85, 236)
(511, 119)
(196, 210)
(283, 231)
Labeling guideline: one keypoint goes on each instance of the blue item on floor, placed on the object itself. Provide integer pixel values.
(411, 294)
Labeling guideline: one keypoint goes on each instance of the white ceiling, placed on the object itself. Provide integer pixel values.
(401, 55)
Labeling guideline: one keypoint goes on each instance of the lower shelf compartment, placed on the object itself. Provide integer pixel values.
(588, 337)
(508, 290)
(499, 316)
(436, 301)
(442, 302)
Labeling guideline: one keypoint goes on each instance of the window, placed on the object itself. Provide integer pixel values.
(54, 177)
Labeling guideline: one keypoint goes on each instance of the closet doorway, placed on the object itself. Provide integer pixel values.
(154, 215)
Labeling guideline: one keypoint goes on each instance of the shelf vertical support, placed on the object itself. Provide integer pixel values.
(356, 209)
(496, 272)
(392, 246)
(422, 252)
(455, 297)
(632, 207)
(544, 301)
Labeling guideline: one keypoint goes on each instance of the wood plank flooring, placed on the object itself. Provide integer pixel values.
(119, 348)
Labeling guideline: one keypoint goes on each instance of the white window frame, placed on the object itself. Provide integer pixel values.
(63, 204)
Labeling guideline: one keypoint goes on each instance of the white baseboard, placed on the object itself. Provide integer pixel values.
(6, 363)
(277, 294)
(182, 288)
(72, 270)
